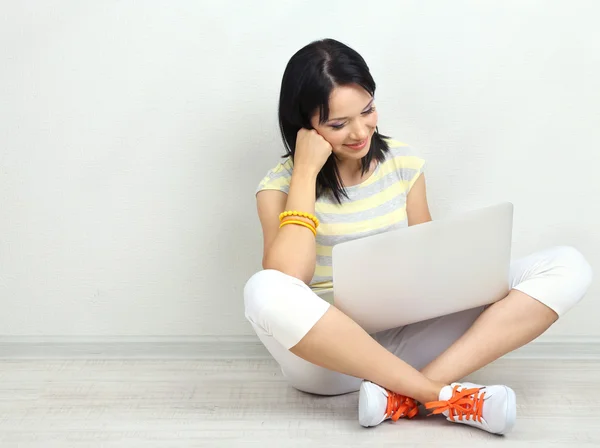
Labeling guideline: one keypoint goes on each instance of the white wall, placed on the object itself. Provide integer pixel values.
(133, 134)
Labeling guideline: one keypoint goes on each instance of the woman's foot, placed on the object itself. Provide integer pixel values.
(491, 408)
(376, 404)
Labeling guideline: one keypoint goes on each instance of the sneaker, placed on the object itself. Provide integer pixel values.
(491, 408)
(376, 404)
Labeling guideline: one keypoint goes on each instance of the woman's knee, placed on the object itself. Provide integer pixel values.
(559, 277)
(259, 291)
(572, 276)
(282, 306)
(577, 269)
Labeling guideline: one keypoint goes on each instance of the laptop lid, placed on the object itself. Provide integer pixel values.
(424, 271)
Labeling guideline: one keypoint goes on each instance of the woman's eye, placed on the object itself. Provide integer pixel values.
(369, 111)
(337, 126)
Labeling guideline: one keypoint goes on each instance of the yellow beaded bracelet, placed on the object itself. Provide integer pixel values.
(313, 218)
(300, 223)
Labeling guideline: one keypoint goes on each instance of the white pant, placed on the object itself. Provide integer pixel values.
(283, 309)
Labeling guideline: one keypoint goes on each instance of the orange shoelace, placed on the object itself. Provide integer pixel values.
(466, 403)
(400, 406)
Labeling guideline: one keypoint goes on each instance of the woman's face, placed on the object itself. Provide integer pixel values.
(351, 123)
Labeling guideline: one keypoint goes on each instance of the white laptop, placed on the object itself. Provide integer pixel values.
(424, 271)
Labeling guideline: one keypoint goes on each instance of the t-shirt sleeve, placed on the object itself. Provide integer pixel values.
(409, 162)
(277, 178)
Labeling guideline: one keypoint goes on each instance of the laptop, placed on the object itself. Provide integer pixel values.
(429, 270)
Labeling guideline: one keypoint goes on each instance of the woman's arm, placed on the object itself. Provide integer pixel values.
(290, 249)
(417, 208)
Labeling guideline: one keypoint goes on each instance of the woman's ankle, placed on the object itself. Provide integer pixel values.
(432, 393)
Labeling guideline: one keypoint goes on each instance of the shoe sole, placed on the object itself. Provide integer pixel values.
(511, 410)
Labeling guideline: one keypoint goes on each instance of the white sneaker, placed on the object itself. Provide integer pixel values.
(376, 404)
(491, 408)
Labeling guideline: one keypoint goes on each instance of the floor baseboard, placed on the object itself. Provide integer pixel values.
(229, 347)
(143, 347)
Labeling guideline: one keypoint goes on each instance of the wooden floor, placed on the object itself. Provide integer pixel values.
(230, 403)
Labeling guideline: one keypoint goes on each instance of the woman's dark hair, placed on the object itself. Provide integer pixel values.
(308, 80)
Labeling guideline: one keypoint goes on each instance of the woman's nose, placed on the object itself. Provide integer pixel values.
(359, 133)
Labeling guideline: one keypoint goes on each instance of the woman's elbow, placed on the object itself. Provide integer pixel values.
(289, 269)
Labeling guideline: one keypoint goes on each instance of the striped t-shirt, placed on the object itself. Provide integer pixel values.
(375, 206)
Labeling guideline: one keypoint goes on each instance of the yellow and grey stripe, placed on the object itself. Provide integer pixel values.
(375, 206)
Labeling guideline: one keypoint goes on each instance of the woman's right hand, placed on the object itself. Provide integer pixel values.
(312, 151)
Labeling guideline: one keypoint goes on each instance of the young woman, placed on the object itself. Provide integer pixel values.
(340, 180)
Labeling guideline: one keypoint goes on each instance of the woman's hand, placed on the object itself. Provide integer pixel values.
(312, 151)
